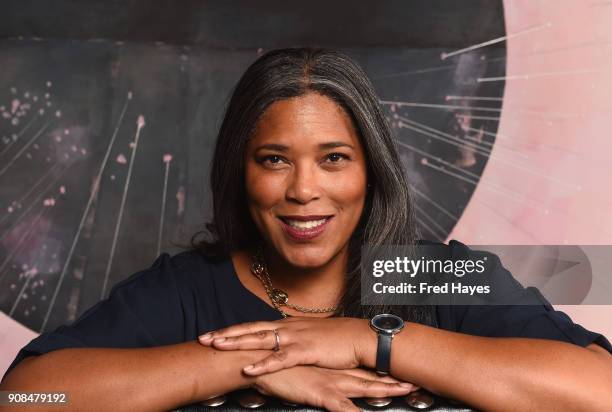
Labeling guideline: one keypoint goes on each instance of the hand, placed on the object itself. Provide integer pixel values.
(329, 388)
(335, 343)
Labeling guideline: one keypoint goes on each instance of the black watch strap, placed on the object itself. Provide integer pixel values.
(383, 353)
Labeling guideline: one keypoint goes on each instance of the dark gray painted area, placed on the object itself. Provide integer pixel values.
(63, 93)
(261, 23)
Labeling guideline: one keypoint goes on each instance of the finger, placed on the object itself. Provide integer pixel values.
(370, 375)
(236, 330)
(262, 339)
(281, 359)
(359, 388)
(340, 404)
(365, 374)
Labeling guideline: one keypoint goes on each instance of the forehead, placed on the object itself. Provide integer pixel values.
(308, 118)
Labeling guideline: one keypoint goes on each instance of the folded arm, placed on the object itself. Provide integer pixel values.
(157, 378)
(498, 373)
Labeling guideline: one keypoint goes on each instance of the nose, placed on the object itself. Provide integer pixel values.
(303, 184)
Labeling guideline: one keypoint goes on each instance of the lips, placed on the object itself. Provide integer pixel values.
(305, 218)
(303, 228)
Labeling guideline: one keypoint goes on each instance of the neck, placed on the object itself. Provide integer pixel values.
(317, 287)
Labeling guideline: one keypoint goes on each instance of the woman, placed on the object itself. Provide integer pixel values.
(305, 172)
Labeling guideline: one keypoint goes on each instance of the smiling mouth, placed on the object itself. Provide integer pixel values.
(305, 223)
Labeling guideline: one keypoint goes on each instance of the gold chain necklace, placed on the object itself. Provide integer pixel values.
(277, 296)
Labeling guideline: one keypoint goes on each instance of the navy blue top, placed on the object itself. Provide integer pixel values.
(181, 297)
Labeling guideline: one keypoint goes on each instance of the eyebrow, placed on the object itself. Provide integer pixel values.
(283, 148)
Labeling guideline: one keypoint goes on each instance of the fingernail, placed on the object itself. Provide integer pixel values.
(219, 340)
(248, 367)
(405, 385)
(206, 336)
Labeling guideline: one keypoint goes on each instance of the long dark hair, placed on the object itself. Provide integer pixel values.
(388, 216)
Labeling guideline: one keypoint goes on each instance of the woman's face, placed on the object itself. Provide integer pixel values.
(306, 179)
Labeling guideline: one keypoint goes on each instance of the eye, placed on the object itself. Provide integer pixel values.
(270, 160)
(336, 157)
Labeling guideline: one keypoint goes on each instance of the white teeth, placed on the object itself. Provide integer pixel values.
(298, 224)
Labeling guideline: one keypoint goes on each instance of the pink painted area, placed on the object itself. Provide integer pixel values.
(15, 105)
(13, 336)
(562, 122)
(180, 199)
(141, 121)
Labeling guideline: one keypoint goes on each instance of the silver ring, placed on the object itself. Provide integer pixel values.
(277, 336)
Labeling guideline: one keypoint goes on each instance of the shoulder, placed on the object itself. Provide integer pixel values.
(154, 306)
(489, 263)
(504, 287)
(530, 315)
(167, 272)
(456, 249)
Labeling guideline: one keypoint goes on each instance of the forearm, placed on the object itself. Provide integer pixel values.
(499, 373)
(158, 378)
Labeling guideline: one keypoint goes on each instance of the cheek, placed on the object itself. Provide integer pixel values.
(349, 191)
(263, 190)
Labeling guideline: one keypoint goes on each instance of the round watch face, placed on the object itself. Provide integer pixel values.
(387, 323)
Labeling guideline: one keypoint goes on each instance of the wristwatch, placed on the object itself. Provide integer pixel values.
(386, 325)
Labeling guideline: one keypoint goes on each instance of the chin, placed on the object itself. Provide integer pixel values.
(307, 255)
